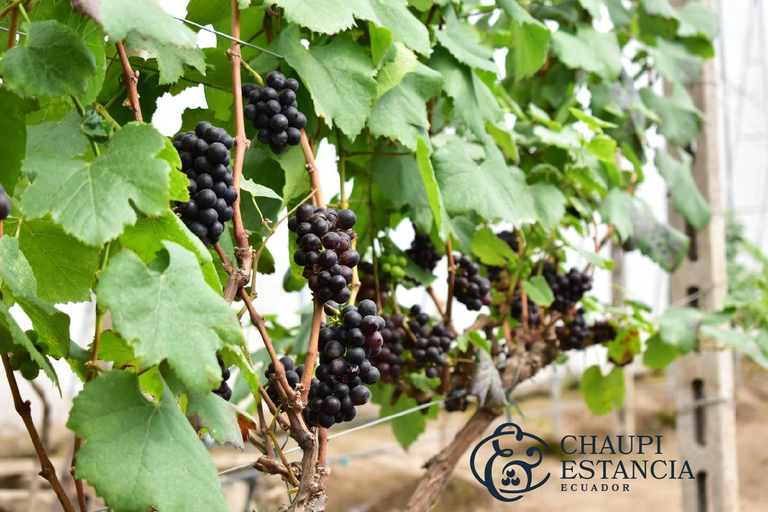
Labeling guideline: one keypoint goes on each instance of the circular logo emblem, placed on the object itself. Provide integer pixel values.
(508, 473)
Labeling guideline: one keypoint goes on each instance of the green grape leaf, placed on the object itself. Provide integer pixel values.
(13, 136)
(549, 204)
(381, 40)
(401, 113)
(486, 382)
(539, 291)
(257, 190)
(659, 8)
(12, 337)
(685, 194)
(62, 138)
(405, 27)
(658, 355)
(603, 393)
(155, 308)
(505, 140)
(146, 18)
(492, 250)
(663, 244)
(615, 209)
(491, 188)
(696, 18)
(116, 349)
(146, 239)
(589, 50)
(63, 266)
(15, 271)
(743, 342)
(235, 356)
(339, 76)
(679, 327)
(592, 7)
(392, 73)
(620, 15)
(594, 123)
(462, 40)
(429, 180)
(675, 63)
(680, 122)
(159, 460)
(217, 416)
(530, 41)
(171, 59)
(399, 180)
(93, 200)
(474, 102)
(53, 61)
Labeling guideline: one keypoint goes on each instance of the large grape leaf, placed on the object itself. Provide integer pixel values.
(216, 415)
(489, 188)
(139, 453)
(331, 16)
(663, 244)
(530, 40)
(63, 266)
(401, 113)
(432, 189)
(696, 18)
(463, 41)
(400, 62)
(492, 250)
(170, 314)
(53, 61)
(685, 194)
(603, 393)
(474, 102)
(339, 75)
(145, 17)
(675, 63)
(679, 327)
(680, 121)
(549, 203)
(399, 180)
(146, 239)
(62, 138)
(13, 136)
(590, 50)
(92, 200)
(170, 58)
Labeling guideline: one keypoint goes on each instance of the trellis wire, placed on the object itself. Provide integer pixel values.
(227, 36)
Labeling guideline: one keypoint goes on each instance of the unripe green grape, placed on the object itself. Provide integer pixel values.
(398, 272)
(29, 370)
(386, 268)
(402, 261)
(16, 360)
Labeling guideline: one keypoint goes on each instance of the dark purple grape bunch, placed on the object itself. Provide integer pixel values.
(534, 313)
(293, 375)
(345, 367)
(5, 204)
(432, 343)
(368, 284)
(205, 159)
(573, 333)
(423, 253)
(603, 332)
(224, 390)
(568, 289)
(390, 360)
(456, 402)
(273, 111)
(470, 288)
(324, 237)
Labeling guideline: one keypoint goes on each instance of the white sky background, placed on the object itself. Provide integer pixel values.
(644, 280)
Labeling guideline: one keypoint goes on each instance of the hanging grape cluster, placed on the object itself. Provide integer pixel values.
(324, 237)
(603, 332)
(224, 390)
(22, 362)
(424, 253)
(345, 367)
(534, 313)
(273, 111)
(568, 289)
(5, 204)
(470, 288)
(574, 332)
(205, 159)
(368, 284)
(431, 342)
(389, 361)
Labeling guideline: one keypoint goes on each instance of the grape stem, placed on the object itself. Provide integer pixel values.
(309, 362)
(23, 408)
(130, 81)
(314, 172)
(439, 306)
(273, 409)
(13, 29)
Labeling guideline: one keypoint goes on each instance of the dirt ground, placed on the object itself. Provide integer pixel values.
(371, 473)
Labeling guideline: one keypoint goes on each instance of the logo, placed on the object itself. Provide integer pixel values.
(508, 473)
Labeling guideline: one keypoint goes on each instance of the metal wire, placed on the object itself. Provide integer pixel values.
(227, 36)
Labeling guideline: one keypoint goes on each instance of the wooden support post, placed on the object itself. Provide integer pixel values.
(624, 418)
(704, 385)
